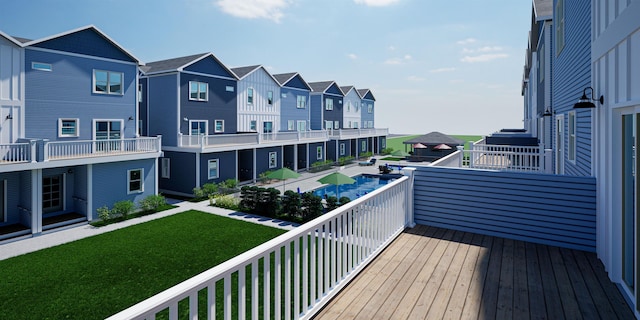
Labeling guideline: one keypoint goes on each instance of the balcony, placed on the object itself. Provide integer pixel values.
(236, 141)
(13, 153)
(65, 150)
(342, 134)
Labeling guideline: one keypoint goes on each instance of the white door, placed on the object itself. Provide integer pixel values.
(560, 144)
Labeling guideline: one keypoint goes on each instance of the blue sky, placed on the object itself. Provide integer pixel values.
(449, 66)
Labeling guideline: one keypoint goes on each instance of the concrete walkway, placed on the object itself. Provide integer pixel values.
(307, 181)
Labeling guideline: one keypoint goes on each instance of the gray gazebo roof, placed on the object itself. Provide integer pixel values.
(435, 138)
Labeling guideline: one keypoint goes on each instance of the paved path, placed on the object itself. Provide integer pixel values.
(308, 181)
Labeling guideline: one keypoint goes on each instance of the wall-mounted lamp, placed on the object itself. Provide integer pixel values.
(547, 112)
(130, 118)
(9, 117)
(587, 102)
(185, 119)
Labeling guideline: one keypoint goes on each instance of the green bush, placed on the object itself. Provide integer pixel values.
(225, 201)
(344, 200)
(311, 206)
(386, 151)
(152, 202)
(249, 198)
(198, 193)
(321, 165)
(291, 204)
(228, 186)
(104, 213)
(345, 160)
(123, 208)
(332, 203)
(366, 155)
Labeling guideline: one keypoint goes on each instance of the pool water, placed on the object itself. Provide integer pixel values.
(364, 184)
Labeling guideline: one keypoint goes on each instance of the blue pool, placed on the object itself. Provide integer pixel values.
(364, 184)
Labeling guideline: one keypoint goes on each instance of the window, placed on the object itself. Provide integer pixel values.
(253, 125)
(342, 149)
(364, 124)
(270, 97)
(41, 66)
(302, 102)
(198, 91)
(572, 136)
(558, 21)
(267, 127)
(302, 125)
(107, 82)
(370, 108)
(319, 153)
(139, 93)
(284, 94)
(348, 106)
(134, 181)
(219, 126)
(68, 127)
(328, 104)
(336, 124)
(541, 66)
(355, 124)
(212, 169)
(328, 125)
(197, 127)
(370, 123)
(108, 130)
(229, 89)
(357, 106)
(363, 146)
(273, 160)
(349, 124)
(250, 95)
(291, 125)
(166, 168)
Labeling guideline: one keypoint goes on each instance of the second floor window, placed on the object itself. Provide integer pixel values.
(219, 126)
(302, 102)
(252, 125)
(270, 97)
(198, 127)
(198, 91)
(68, 127)
(250, 95)
(328, 104)
(107, 82)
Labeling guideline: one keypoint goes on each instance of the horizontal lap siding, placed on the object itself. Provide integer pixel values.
(547, 209)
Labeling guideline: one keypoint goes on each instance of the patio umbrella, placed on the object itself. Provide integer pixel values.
(400, 153)
(419, 146)
(442, 146)
(283, 174)
(337, 179)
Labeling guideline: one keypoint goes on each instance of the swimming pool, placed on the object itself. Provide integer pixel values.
(364, 184)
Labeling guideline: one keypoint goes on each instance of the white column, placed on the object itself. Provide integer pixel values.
(197, 170)
(90, 192)
(36, 201)
(409, 216)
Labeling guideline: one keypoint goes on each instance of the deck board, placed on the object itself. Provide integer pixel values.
(436, 273)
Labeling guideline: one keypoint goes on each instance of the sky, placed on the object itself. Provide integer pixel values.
(432, 65)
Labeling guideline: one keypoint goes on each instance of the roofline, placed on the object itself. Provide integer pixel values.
(252, 71)
(329, 86)
(11, 39)
(204, 55)
(33, 42)
(293, 76)
(352, 88)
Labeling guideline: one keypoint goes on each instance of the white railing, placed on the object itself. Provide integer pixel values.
(354, 133)
(204, 141)
(295, 274)
(15, 153)
(56, 150)
(295, 135)
(508, 158)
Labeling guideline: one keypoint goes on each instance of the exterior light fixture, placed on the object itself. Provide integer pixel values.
(130, 118)
(9, 117)
(587, 102)
(547, 112)
(185, 119)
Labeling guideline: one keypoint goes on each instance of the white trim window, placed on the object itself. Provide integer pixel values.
(370, 124)
(370, 108)
(270, 97)
(249, 95)
(135, 181)
(559, 24)
(319, 153)
(291, 125)
(253, 125)
(229, 89)
(541, 66)
(349, 106)
(219, 126)
(328, 104)
(336, 124)
(108, 82)
(342, 149)
(571, 133)
(273, 160)
(364, 124)
(301, 102)
(198, 127)
(363, 146)
(213, 171)
(68, 127)
(198, 91)
(41, 66)
(328, 124)
(165, 166)
(302, 125)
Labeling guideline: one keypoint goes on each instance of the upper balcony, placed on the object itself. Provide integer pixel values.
(39, 153)
(342, 134)
(223, 142)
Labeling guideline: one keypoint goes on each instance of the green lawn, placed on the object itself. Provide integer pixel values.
(98, 276)
(397, 143)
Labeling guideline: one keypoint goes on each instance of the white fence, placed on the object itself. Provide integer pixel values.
(16, 152)
(55, 150)
(509, 158)
(207, 141)
(294, 275)
(357, 133)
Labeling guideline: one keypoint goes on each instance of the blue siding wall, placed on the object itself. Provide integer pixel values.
(335, 114)
(313, 152)
(182, 173)
(366, 116)
(303, 162)
(297, 82)
(289, 107)
(67, 92)
(163, 109)
(571, 75)
(221, 104)
(316, 112)
(546, 209)
(110, 182)
(87, 42)
(334, 90)
(13, 191)
(209, 66)
(226, 166)
(262, 159)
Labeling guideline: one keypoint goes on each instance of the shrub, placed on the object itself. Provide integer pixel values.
(386, 151)
(123, 208)
(332, 203)
(366, 155)
(345, 160)
(198, 193)
(311, 206)
(152, 202)
(344, 200)
(321, 165)
(225, 201)
(104, 213)
(248, 196)
(291, 204)
(209, 189)
(228, 185)
(263, 177)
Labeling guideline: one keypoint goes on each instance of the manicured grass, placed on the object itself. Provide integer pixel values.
(98, 276)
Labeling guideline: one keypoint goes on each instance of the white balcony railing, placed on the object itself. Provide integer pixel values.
(294, 275)
(16, 153)
(57, 150)
(208, 141)
(509, 158)
(356, 133)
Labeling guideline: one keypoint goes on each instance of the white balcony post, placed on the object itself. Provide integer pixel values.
(179, 139)
(409, 218)
(548, 156)
(461, 150)
(32, 151)
(202, 142)
(159, 143)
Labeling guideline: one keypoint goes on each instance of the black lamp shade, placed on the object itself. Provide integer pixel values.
(584, 103)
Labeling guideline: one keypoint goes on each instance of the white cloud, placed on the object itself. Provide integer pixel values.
(392, 48)
(415, 78)
(467, 41)
(407, 57)
(376, 3)
(352, 56)
(396, 61)
(490, 49)
(440, 70)
(253, 9)
(484, 57)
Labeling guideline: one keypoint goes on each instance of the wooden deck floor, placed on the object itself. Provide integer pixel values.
(436, 273)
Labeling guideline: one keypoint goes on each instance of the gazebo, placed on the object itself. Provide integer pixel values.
(432, 146)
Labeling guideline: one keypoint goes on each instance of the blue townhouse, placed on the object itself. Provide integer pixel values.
(326, 106)
(367, 101)
(351, 116)
(258, 100)
(70, 140)
(295, 112)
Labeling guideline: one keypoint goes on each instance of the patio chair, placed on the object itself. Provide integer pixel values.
(368, 163)
(384, 169)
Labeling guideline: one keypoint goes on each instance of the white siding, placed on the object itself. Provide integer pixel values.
(259, 110)
(352, 116)
(11, 91)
